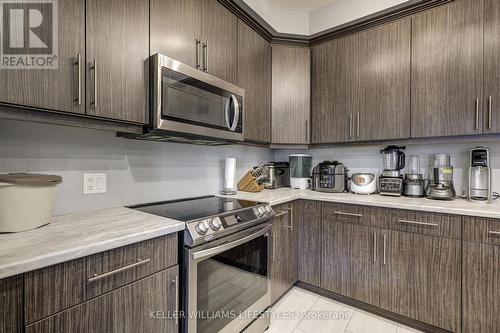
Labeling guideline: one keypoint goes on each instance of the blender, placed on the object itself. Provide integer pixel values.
(414, 182)
(391, 181)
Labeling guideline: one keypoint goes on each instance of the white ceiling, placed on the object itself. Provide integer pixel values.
(303, 5)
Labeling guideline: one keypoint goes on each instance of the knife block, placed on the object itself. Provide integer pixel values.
(248, 184)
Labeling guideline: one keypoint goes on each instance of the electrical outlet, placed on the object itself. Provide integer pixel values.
(94, 183)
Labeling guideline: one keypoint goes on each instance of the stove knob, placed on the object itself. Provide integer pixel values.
(215, 224)
(261, 211)
(202, 227)
(269, 210)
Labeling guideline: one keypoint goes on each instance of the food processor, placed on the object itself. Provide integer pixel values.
(414, 182)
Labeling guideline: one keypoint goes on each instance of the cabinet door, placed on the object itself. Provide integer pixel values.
(331, 86)
(54, 89)
(492, 65)
(176, 30)
(481, 292)
(138, 307)
(290, 94)
(447, 70)
(309, 242)
(381, 93)
(118, 44)
(11, 303)
(220, 40)
(420, 278)
(350, 261)
(254, 75)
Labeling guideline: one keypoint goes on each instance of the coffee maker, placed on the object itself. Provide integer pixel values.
(479, 178)
(440, 183)
(391, 181)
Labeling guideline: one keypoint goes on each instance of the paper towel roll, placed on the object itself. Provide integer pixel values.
(229, 174)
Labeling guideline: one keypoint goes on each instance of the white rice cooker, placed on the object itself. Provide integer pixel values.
(363, 183)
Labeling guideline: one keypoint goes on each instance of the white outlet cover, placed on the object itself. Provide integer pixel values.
(94, 183)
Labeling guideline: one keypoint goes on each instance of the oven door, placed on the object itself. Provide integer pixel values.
(228, 281)
(195, 103)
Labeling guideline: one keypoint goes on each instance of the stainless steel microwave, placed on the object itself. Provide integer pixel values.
(194, 104)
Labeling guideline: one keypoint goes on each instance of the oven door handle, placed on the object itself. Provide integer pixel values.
(224, 247)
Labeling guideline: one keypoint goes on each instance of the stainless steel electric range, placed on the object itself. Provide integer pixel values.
(226, 261)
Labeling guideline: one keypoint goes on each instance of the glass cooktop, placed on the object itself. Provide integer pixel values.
(194, 208)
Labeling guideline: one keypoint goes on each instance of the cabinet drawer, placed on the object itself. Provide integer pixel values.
(345, 213)
(58, 287)
(138, 307)
(434, 224)
(482, 230)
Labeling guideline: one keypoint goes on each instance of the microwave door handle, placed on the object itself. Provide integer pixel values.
(228, 111)
(203, 254)
(236, 113)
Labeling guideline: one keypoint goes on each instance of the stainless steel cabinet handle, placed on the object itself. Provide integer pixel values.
(274, 246)
(385, 246)
(477, 114)
(175, 283)
(348, 214)
(198, 42)
(79, 64)
(281, 214)
(490, 112)
(307, 131)
(205, 57)
(350, 126)
(139, 262)
(419, 223)
(357, 126)
(494, 232)
(94, 68)
(374, 247)
(291, 219)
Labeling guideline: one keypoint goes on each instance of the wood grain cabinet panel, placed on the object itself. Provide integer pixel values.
(53, 89)
(428, 223)
(11, 303)
(420, 278)
(284, 266)
(381, 94)
(309, 242)
(129, 309)
(491, 66)
(291, 95)
(350, 260)
(447, 70)
(254, 75)
(220, 39)
(176, 30)
(480, 287)
(118, 42)
(482, 230)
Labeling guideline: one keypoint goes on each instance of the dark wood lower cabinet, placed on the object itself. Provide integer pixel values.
(284, 268)
(143, 306)
(420, 278)
(481, 288)
(309, 242)
(11, 304)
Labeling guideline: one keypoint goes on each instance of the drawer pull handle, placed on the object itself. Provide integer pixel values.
(419, 223)
(139, 262)
(348, 214)
(494, 232)
(281, 213)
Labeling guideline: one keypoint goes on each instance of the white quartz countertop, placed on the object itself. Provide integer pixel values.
(77, 235)
(457, 206)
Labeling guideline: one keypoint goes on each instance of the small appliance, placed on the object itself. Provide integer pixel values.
(229, 187)
(479, 184)
(277, 175)
(363, 183)
(391, 181)
(414, 186)
(329, 177)
(300, 171)
(225, 240)
(440, 183)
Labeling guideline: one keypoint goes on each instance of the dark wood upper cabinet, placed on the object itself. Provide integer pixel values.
(11, 303)
(254, 75)
(219, 41)
(447, 70)
(381, 94)
(117, 59)
(491, 66)
(53, 89)
(176, 30)
(291, 94)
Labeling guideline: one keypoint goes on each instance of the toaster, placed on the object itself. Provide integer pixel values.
(277, 175)
(330, 177)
